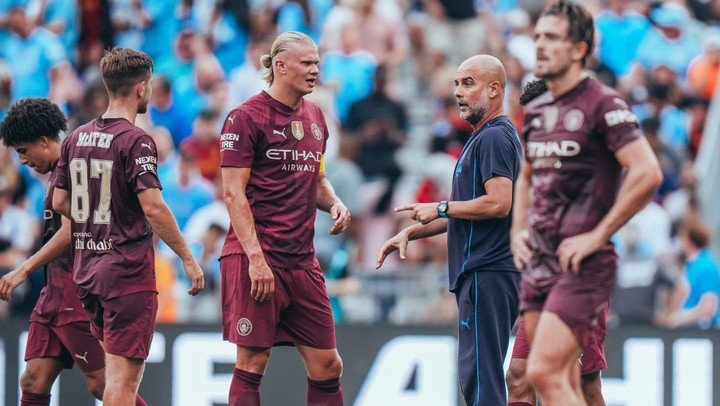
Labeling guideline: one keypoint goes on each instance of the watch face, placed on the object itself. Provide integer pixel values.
(442, 207)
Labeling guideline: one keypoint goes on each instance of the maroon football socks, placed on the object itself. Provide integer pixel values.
(245, 388)
(324, 393)
(34, 399)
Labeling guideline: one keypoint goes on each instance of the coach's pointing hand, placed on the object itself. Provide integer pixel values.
(9, 282)
(421, 212)
(399, 242)
(262, 279)
(196, 276)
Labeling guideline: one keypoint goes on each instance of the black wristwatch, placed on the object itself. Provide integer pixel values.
(442, 209)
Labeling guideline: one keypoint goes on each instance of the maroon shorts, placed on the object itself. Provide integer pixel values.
(124, 324)
(298, 313)
(593, 357)
(578, 300)
(69, 343)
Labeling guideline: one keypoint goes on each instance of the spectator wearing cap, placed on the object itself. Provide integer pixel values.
(671, 42)
(204, 145)
(704, 70)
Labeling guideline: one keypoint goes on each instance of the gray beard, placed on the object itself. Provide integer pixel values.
(475, 117)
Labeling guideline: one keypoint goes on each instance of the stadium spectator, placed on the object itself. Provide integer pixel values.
(37, 61)
(306, 16)
(61, 18)
(204, 145)
(186, 190)
(378, 106)
(695, 302)
(704, 70)
(129, 21)
(247, 79)
(166, 112)
(349, 70)
(672, 33)
(621, 30)
(161, 24)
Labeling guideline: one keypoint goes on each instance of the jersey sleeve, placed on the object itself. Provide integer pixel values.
(496, 155)
(617, 123)
(238, 141)
(141, 165)
(61, 170)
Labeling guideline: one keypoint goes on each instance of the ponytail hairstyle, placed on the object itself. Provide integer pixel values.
(281, 44)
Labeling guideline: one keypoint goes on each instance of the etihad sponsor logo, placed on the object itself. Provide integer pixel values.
(102, 245)
(620, 116)
(564, 148)
(227, 141)
(95, 139)
(297, 130)
(293, 155)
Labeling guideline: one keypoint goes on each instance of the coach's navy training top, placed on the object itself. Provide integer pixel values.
(483, 245)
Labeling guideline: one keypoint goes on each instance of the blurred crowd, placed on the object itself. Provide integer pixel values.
(387, 71)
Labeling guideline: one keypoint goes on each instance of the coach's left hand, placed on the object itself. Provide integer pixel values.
(573, 250)
(9, 282)
(342, 217)
(421, 212)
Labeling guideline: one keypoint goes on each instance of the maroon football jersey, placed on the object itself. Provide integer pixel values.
(58, 303)
(284, 148)
(570, 142)
(103, 165)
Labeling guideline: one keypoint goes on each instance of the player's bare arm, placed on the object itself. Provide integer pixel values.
(495, 204)
(641, 180)
(53, 249)
(401, 240)
(163, 223)
(519, 234)
(235, 181)
(328, 201)
(61, 202)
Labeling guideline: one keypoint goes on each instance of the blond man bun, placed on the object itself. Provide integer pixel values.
(282, 43)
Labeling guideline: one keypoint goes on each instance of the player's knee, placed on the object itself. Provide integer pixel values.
(96, 386)
(517, 384)
(540, 375)
(31, 381)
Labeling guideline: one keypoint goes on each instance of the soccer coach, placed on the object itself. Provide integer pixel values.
(477, 220)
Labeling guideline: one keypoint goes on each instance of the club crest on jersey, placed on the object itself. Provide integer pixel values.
(573, 120)
(315, 130)
(244, 327)
(551, 117)
(297, 130)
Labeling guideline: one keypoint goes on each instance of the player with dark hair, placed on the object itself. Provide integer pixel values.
(520, 393)
(107, 186)
(578, 138)
(59, 331)
(273, 173)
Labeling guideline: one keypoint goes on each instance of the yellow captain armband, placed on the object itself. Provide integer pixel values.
(322, 165)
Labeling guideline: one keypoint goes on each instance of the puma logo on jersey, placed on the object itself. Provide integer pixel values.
(142, 144)
(82, 357)
(231, 119)
(280, 132)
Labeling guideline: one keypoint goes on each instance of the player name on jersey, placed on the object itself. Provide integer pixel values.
(95, 139)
